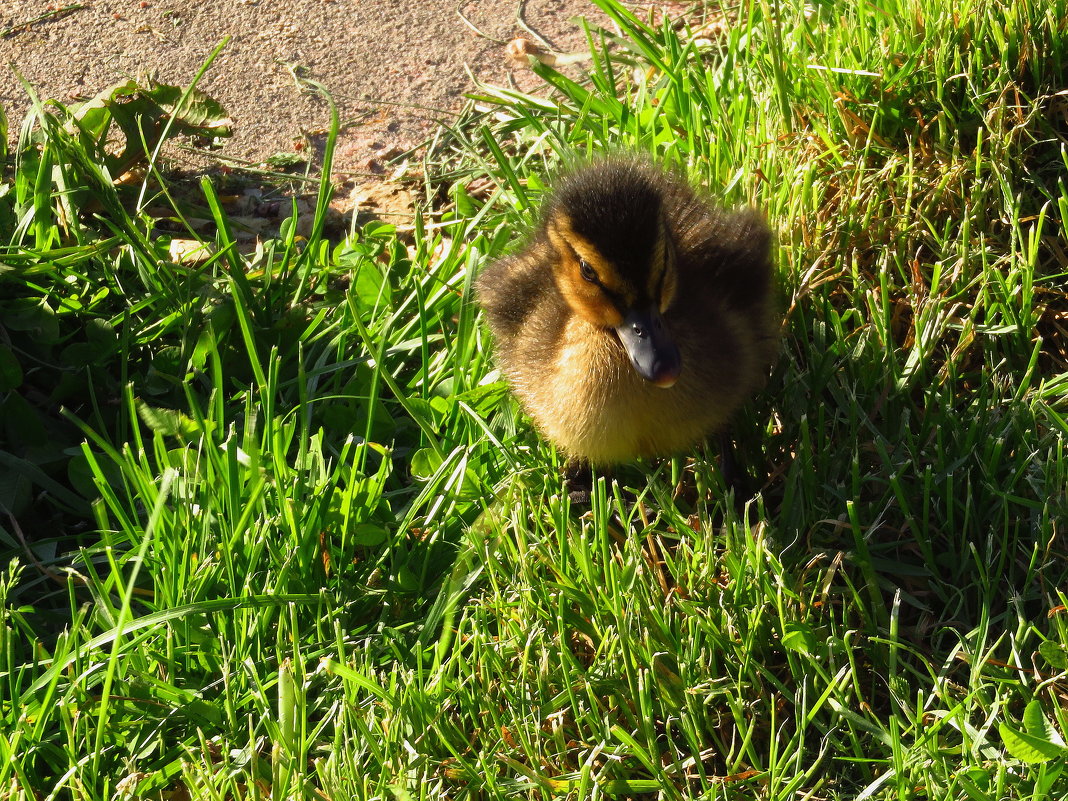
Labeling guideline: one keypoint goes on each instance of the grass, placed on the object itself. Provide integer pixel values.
(274, 527)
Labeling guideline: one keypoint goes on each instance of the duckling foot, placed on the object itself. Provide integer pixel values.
(578, 481)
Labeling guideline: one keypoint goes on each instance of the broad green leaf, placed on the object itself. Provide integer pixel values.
(369, 534)
(167, 421)
(799, 637)
(201, 115)
(31, 473)
(1027, 747)
(100, 332)
(15, 490)
(1054, 654)
(1039, 725)
(22, 422)
(486, 398)
(426, 411)
(465, 207)
(407, 580)
(10, 370)
(424, 464)
(370, 286)
(80, 354)
(93, 115)
(34, 316)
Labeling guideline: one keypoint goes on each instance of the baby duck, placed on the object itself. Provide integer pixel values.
(637, 318)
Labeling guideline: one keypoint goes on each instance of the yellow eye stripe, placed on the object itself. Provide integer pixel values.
(567, 241)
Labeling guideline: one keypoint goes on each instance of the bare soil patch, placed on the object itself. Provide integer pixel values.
(395, 67)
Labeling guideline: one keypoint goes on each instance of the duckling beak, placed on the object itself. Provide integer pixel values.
(652, 351)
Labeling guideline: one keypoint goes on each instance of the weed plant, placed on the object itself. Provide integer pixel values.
(275, 528)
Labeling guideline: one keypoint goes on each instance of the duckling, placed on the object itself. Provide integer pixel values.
(637, 317)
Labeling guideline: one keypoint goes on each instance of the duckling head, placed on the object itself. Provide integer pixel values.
(615, 260)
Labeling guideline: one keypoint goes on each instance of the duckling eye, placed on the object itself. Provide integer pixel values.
(587, 271)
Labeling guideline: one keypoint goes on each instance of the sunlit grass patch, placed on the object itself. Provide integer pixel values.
(279, 529)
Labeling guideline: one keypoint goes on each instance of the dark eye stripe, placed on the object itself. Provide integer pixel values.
(615, 297)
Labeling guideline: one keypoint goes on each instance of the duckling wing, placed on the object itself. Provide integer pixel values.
(509, 290)
(728, 255)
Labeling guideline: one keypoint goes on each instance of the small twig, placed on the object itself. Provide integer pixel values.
(23, 26)
(52, 573)
(474, 27)
(521, 21)
(655, 560)
(63, 579)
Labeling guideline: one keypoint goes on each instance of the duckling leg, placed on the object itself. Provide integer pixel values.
(734, 478)
(578, 480)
